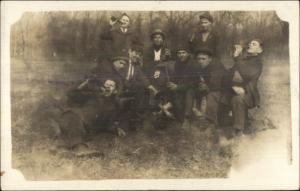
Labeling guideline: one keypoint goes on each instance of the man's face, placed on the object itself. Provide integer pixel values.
(158, 40)
(203, 60)
(109, 87)
(135, 56)
(119, 64)
(205, 25)
(254, 47)
(125, 21)
(182, 55)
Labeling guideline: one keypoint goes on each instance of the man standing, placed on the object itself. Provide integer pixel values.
(157, 53)
(204, 37)
(119, 34)
(246, 72)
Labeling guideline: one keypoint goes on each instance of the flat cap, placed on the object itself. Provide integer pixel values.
(205, 51)
(182, 46)
(206, 15)
(121, 55)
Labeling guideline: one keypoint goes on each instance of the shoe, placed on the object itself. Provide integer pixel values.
(197, 113)
(238, 133)
(186, 124)
(121, 132)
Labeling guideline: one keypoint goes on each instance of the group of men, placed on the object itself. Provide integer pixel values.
(168, 86)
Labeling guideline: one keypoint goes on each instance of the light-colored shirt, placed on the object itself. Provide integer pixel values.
(157, 55)
(124, 30)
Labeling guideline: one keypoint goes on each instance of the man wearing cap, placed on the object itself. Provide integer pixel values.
(204, 37)
(245, 75)
(132, 85)
(157, 53)
(119, 35)
(182, 84)
(211, 83)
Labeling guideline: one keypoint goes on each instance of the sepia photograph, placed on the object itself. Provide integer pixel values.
(117, 94)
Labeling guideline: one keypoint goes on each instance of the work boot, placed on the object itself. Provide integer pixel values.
(186, 125)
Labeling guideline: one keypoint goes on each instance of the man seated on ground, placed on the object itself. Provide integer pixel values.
(132, 87)
(106, 99)
(90, 107)
(211, 84)
(245, 75)
(161, 104)
(183, 80)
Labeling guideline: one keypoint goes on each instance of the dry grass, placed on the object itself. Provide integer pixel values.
(147, 153)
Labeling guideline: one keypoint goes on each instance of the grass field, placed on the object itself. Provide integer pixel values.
(146, 153)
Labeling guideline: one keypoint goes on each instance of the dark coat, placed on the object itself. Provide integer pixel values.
(196, 43)
(214, 76)
(148, 59)
(119, 41)
(160, 74)
(184, 75)
(138, 79)
(250, 68)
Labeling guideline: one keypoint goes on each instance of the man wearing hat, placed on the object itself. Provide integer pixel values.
(132, 87)
(204, 37)
(182, 84)
(157, 52)
(211, 83)
(119, 35)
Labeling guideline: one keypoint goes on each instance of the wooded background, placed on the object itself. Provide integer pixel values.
(75, 34)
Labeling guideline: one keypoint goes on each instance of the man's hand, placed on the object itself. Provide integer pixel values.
(238, 90)
(237, 50)
(153, 90)
(168, 53)
(113, 21)
(203, 86)
(172, 86)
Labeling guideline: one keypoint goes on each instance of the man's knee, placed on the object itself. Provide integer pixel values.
(238, 100)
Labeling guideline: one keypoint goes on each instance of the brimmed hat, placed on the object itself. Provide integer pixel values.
(137, 47)
(182, 46)
(122, 55)
(158, 31)
(205, 51)
(206, 15)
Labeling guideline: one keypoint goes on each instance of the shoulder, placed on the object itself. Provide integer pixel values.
(193, 36)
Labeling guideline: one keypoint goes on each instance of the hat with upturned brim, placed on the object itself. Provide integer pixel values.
(206, 15)
(157, 31)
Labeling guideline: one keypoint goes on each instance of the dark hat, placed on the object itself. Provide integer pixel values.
(182, 46)
(205, 51)
(206, 15)
(121, 55)
(124, 14)
(239, 41)
(158, 31)
(137, 47)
